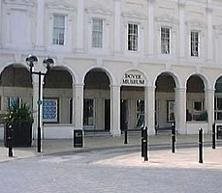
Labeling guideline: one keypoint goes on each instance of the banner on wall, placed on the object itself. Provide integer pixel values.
(50, 110)
(133, 78)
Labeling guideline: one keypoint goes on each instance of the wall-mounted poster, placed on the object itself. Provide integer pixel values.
(50, 110)
(170, 111)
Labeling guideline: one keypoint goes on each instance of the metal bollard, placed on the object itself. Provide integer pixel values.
(213, 136)
(144, 144)
(10, 134)
(125, 137)
(125, 132)
(173, 138)
(201, 145)
(142, 138)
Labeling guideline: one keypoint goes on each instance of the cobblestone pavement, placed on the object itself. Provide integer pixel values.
(114, 171)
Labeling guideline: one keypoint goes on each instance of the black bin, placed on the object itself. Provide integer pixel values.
(78, 138)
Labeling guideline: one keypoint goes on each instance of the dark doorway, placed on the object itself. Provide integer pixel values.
(107, 115)
(123, 114)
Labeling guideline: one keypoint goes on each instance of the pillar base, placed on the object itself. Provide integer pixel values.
(115, 133)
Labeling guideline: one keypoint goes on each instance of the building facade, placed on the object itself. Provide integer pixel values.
(118, 63)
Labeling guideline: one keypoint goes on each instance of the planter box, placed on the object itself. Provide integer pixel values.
(21, 134)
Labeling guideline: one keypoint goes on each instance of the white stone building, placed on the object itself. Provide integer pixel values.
(116, 61)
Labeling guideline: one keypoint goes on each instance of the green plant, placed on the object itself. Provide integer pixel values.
(17, 114)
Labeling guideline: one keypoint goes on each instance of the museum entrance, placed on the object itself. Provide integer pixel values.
(132, 103)
(131, 107)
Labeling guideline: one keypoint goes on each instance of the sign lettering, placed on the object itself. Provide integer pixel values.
(133, 79)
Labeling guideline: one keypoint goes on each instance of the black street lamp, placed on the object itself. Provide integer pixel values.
(48, 62)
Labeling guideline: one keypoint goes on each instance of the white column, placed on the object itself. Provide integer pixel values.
(78, 106)
(182, 28)
(209, 11)
(80, 28)
(35, 91)
(151, 27)
(40, 23)
(117, 26)
(180, 110)
(115, 110)
(209, 96)
(150, 109)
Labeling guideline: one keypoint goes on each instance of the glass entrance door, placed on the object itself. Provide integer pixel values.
(89, 114)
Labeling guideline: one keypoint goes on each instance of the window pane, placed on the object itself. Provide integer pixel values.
(165, 40)
(219, 116)
(194, 43)
(219, 103)
(97, 33)
(58, 29)
(133, 37)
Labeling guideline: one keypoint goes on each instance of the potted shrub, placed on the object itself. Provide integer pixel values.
(18, 124)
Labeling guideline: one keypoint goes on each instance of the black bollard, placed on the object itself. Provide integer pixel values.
(10, 134)
(144, 144)
(173, 138)
(201, 145)
(125, 132)
(213, 137)
(125, 137)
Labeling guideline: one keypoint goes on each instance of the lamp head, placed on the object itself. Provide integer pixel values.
(30, 60)
(48, 63)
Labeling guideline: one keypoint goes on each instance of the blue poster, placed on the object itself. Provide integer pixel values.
(50, 110)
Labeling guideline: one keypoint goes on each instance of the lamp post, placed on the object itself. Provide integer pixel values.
(48, 62)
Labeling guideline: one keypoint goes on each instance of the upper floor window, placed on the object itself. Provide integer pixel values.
(97, 33)
(58, 29)
(195, 43)
(165, 40)
(132, 37)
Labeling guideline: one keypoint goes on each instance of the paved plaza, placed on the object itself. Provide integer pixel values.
(106, 165)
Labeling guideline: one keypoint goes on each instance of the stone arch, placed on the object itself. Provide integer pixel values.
(7, 64)
(63, 69)
(70, 70)
(203, 78)
(216, 80)
(19, 73)
(218, 98)
(103, 69)
(172, 74)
